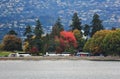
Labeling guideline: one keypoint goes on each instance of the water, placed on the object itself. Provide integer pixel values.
(60, 69)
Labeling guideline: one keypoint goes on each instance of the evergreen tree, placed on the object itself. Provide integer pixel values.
(59, 24)
(113, 28)
(96, 24)
(57, 28)
(76, 24)
(46, 41)
(37, 42)
(12, 32)
(28, 33)
(86, 30)
(38, 29)
(28, 30)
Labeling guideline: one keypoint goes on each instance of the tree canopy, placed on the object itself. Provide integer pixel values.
(111, 43)
(106, 42)
(11, 43)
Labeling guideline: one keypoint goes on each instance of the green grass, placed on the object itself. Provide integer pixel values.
(4, 53)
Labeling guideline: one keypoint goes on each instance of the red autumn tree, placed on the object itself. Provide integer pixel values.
(34, 50)
(67, 39)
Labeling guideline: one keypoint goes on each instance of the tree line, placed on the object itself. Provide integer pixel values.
(90, 38)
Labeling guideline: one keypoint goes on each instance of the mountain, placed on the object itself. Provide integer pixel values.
(16, 14)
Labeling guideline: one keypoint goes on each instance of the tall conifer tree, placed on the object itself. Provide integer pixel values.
(76, 22)
(28, 30)
(86, 30)
(57, 28)
(12, 32)
(38, 29)
(96, 24)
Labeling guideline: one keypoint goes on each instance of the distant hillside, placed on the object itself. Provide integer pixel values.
(18, 13)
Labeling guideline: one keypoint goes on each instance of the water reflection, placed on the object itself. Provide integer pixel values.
(61, 69)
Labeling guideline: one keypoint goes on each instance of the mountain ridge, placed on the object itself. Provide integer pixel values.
(19, 13)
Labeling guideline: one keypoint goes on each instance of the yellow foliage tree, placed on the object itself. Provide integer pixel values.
(111, 43)
(80, 41)
(26, 46)
(95, 44)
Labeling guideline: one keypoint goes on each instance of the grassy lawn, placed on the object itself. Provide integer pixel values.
(4, 53)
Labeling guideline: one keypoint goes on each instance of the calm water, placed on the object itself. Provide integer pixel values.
(60, 69)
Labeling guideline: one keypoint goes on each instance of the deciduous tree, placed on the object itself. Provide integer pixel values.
(95, 44)
(67, 40)
(11, 43)
(79, 38)
(112, 43)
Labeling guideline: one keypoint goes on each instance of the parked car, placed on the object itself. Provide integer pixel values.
(54, 54)
(83, 54)
(66, 54)
(12, 55)
(19, 55)
(50, 54)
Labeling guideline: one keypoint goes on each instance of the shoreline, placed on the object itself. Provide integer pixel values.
(37, 58)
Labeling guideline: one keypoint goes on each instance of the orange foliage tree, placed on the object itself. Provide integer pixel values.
(67, 40)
